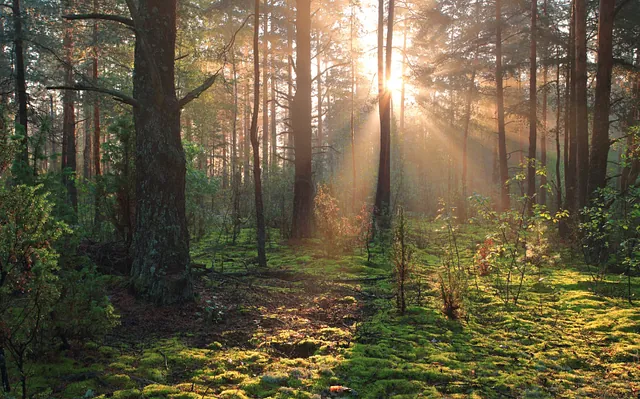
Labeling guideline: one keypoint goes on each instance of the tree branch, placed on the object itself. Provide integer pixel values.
(104, 17)
(195, 93)
(119, 96)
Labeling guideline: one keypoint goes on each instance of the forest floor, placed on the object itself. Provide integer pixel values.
(313, 320)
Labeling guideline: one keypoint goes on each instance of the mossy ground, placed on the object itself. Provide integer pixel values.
(312, 321)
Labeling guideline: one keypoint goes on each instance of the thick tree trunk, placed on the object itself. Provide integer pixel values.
(301, 123)
(69, 118)
(600, 138)
(533, 107)
(502, 138)
(161, 264)
(257, 181)
(582, 123)
(21, 85)
(383, 190)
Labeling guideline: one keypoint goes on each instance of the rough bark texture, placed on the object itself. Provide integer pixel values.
(558, 154)
(21, 85)
(96, 102)
(161, 264)
(265, 95)
(570, 131)
(533, 107)
(600, 138)
(582, 123)
(257, 181)
(502, 140)
(69, 119)
(383, 188)
(301, 123)
(542, 194)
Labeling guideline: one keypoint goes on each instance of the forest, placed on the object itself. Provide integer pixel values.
(312, 199)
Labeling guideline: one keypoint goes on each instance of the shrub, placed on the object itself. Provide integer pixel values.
(517, 245)
(28, 265)
(340, 233)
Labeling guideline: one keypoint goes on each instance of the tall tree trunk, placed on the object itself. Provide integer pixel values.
(21, 87)
(246, 134)
(86, 151)
(582, 123)
(404, 71)
(631, 169)
(352, 116)
(257, 181)
(161, 270)
(600, 138)
(288, 138)
(319, 138)
(558, 154)
(571, 163)
(542, 196)
(502, 138)
(465, 137)
(69, 117)
(301, 123)
(96, 101)
(265, 95)
(235, 168)
(273, 160)
(533, 107)
(383, 190)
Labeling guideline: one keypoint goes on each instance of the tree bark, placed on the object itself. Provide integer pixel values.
(352, 126)
(558, 154)
(161, 269)
(533, 107)
(69, 118)
(265, 95)
(600, 138)
(301, 123)
(570, 131)
(542, 195)
(502, 140)
(21, 85)
(582, 122)
(96, 102)
(257, 181)
(383, 190)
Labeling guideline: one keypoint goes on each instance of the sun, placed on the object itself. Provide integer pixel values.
(394, 84)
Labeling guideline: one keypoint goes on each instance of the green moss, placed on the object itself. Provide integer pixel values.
(233, 394)
(120, 381)
(127, 394)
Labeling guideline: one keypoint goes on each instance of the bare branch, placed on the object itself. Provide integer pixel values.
(104, 17)
(195, 93)
(117, 95)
